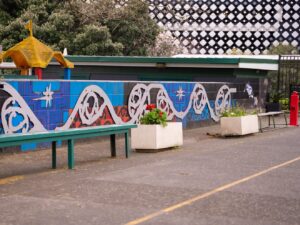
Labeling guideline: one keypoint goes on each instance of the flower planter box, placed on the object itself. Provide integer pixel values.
(151, 138)
(239, 125)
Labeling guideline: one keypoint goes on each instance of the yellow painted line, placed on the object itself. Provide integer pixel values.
(10, 180)
(13, 179)
(207, 194)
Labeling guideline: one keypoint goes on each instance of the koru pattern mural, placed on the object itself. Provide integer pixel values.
(218, 26)
(30, 106)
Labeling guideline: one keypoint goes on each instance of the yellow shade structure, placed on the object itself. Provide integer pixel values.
(31, 53)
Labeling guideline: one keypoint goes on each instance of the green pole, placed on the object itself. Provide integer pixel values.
(71, 161)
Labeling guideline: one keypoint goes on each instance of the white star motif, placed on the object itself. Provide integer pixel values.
(48, 96)
(180, 93)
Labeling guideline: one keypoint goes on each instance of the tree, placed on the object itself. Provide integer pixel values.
(44, 16)
(132, 26)
(166, 45)
(94, 40)
(129, 22)
(93, 11)
(282, 49)
(92, 27)
(12, 8)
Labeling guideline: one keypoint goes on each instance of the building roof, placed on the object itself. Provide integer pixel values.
(192, 61)
(7, 65)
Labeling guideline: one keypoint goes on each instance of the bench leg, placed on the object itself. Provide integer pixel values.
(260, 125)
(71, 154)
(127, 144)
(273, 121)
(53, 154)
(286, 123)
(113, 145)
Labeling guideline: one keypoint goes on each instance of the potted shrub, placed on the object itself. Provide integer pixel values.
(155, 133)
(236, 121)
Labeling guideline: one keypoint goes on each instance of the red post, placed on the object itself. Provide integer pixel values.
(39, 72)
(294, 109)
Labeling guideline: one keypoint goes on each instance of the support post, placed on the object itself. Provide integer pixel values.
(278, 73)
(286, 123)
(127, 143)
(260, 125)
(113, 145)
(53, 154)
(71, 161)
(39, 72)
(67, 74)
(24, 72)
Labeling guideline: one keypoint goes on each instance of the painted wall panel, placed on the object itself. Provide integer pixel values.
(32, 105)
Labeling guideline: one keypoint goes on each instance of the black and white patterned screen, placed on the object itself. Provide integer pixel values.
(218, 26)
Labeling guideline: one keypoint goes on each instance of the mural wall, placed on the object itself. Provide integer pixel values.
(29, 106)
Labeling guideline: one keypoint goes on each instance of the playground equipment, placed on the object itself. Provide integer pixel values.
(31, 53)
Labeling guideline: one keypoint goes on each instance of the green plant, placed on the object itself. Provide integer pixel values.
(154, 116)
(284, 102)
(275, 96)
(234, 112)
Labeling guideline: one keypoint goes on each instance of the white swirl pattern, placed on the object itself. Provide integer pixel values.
(15, 108)
(140, 97)
(92, 94)
(198, 99)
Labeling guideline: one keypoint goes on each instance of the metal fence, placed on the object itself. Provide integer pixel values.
(288, 77)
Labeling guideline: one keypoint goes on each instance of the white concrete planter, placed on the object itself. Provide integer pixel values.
(239, 125)
(156, 136)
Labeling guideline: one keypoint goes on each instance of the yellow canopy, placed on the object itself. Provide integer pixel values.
(31, 53)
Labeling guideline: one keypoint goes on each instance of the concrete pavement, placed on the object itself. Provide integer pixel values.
(210, 180)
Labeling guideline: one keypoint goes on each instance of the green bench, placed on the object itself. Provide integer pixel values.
(8, 140)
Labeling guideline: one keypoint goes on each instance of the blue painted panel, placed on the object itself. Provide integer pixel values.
(27, 147)
(65, 116)
(40, 86)
(180, 94)
(112, 89)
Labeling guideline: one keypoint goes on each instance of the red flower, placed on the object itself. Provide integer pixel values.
(161, 114)
(150, 107)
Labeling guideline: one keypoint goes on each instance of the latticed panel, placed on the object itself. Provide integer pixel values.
(218, 26)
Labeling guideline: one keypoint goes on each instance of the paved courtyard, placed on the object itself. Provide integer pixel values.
(210, 180)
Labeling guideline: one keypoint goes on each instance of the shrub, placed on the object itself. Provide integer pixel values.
(154, 116)
(284, 102)
(234, 112)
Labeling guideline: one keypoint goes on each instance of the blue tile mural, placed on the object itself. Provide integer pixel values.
(28, 106)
